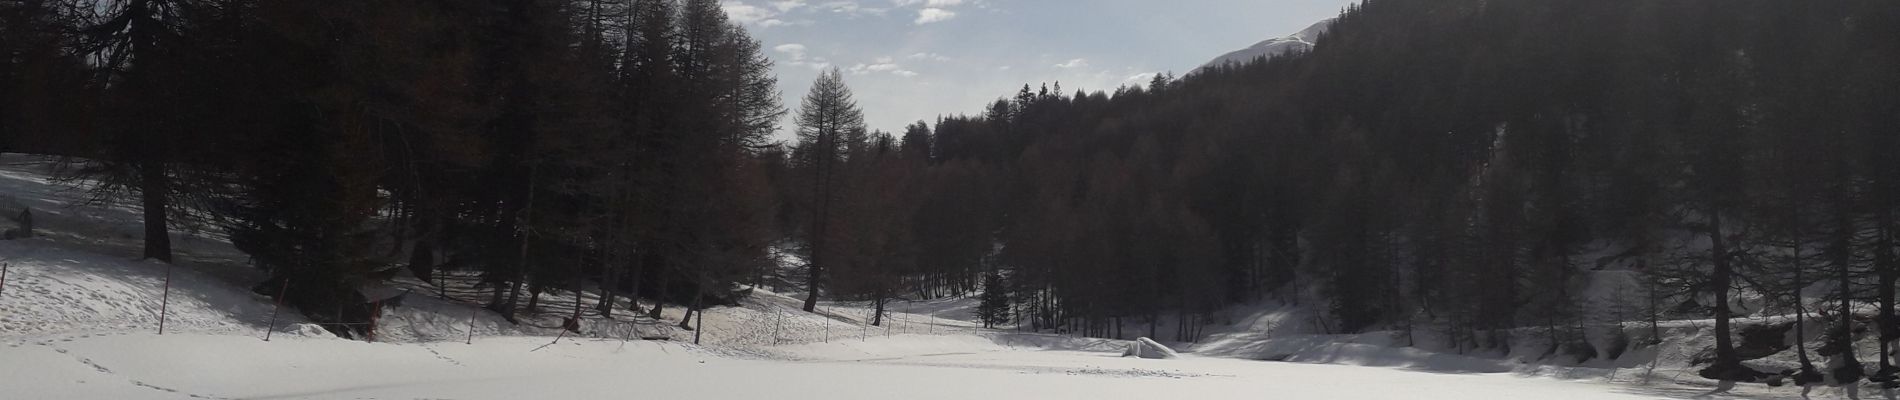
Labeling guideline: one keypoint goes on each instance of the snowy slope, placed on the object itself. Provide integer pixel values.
(78, 321)
(82, 276)
(1275, 47)
(53, 290)
(81, 273)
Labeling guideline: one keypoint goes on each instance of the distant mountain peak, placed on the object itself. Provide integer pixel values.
(1275, 47)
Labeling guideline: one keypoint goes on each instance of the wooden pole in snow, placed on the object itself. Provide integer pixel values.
(376, 312)
(281, 294)
(164, 300)
(3, 277)
(471, 325)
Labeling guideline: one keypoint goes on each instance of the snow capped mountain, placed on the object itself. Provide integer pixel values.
(1275, 47)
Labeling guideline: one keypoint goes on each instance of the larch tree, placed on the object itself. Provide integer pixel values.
(828, 116)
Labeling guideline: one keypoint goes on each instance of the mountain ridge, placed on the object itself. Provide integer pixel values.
(1302, 41)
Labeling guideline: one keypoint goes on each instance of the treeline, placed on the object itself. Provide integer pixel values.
(1465, 168)
(1462, 168)
(621, 145)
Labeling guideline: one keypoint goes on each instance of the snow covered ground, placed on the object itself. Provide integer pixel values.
(79, 317)
(146, 366)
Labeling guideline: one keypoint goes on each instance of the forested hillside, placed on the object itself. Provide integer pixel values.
(549, 144)
(1456, 166)
(1461, 166)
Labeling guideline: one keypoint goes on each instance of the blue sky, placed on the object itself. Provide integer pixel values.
(910, 60)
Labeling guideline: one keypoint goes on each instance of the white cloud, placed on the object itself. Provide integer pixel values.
(851, 8)
(797, 54)
(882, 65)
(746, 13)
(1073, 64)
(929, 56)
(928, 3)
(787, 5)
(930, 15)
(862, 69)
(797, 51)
(1142, 78)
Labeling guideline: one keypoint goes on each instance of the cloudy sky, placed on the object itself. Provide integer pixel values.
(910, 60)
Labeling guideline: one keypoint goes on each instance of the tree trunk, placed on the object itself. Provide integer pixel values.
(686, 321)
(821, 189)
(498, 290)
(638, 276)
(878, 319)
(699, 292)
(1842, 337)
(422, 262)
(811, 285)
(1800, 309)
(1154, 322)
(609, 288)
(534, 298)
(577, 294)
(1884, 264)
(1720, 279)
(659, 303)
(521, 263)
(155, 193)
(1801, 328)
(1654, 310)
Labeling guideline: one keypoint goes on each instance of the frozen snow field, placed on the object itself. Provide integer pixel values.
(186, 366)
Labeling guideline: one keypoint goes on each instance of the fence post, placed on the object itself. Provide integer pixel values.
(375, 313)
(779, 326)
(281, 294)
(471, 325)
(164, 300)
(3, 277)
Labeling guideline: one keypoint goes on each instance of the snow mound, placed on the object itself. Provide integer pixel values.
(1149, 349)
(310, 331)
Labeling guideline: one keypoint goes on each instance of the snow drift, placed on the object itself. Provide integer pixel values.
(1149, 349)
